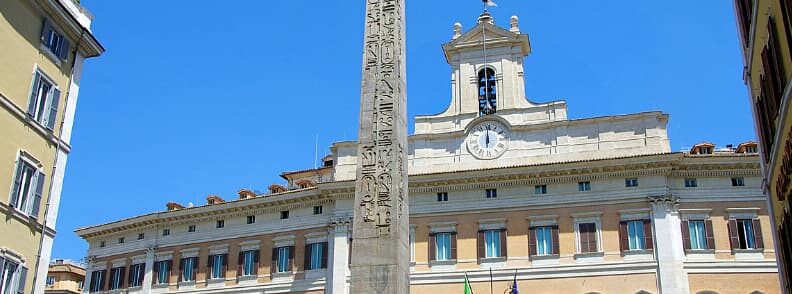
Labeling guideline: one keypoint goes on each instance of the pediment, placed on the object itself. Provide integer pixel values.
(496, 36)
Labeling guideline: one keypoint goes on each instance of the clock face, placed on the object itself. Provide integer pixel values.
(488, 140)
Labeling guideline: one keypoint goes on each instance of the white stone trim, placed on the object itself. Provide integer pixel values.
(442, 227)
(189, 252)
(492, 224)
(412, 243)
(281, 241)
(542, 220)
(695, 214)
(119, 262)
(218, 249)
(743, 212)
(137, 259)
(587, 218)
(249, 245)
(634, 214)
(165, 255)
(316, 237)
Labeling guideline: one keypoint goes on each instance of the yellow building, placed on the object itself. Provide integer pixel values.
(44, 44)
(64, 277)
(765, 29)
(501, 189)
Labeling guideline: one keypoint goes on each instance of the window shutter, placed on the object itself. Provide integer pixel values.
(324, 254)
(480, 245)
(733, 237)
(624, 242)
(685, 234)
(554, 236)
(225, 264)
(240, 263)
(181, 269)
(710, 236)
(256, 254)
(155, 270)
(131, 273)
(17, 183)
(593, 238)
(37, 197)
(307, 257)
(46, 32)
(170, 270)
(532, 241)
(291, 259)
(583, 234)
(195, 268)
(121, 276)
(22, 279)
(274, 266)
(33, 94)
(210, 267)
(432, 246)
(105, 281)
(454, 245)
(648, 240)
(53, 108)
(64, 49)
(503, 245)
(758, 238)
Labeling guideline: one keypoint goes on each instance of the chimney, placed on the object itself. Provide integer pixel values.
(173, 206)
(59, 261)
(214, 199)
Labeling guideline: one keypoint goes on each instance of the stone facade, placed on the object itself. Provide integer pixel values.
(597, 205)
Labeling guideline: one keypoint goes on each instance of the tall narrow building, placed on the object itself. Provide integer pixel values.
(44, 44)
(765, 31)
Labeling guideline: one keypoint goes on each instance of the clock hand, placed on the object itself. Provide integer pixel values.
(487, 137)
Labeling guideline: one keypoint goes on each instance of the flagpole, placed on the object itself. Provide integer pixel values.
(490, 280)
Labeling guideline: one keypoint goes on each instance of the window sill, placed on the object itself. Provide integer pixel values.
(700, 254)
(589, 257)
(748, 254)
(283, 277)
(443, 265)
(637, 252)
(550, 259)
(492, 262)
(216, 282)
(315, 274)
(187, 284)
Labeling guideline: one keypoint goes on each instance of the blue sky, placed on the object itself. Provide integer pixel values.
(206, 97)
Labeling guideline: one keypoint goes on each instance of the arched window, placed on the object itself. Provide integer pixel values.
(706, 292)
(756, 292)
(487, 91)
(643, 292)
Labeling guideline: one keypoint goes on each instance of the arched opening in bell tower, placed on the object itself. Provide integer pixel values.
(487, 92)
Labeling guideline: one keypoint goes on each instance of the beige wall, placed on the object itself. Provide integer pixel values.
(735, 283)
(626, 284)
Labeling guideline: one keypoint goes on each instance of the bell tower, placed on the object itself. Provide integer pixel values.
(487, 67)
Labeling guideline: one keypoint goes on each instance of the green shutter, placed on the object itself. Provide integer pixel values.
(34, 212)
(53, 108)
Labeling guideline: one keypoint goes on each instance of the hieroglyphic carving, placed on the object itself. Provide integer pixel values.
(380, 148)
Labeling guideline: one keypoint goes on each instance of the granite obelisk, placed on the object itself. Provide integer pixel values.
(380, 230)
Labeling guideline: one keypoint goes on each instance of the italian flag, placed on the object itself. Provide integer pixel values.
(468, 289)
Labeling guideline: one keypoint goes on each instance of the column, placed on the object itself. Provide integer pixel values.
(338, 259)
(88, 275)
(669, 251)
(148, 276)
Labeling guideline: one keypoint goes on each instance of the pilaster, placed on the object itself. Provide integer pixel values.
(670, 255)
(338, 259)
(148, 275)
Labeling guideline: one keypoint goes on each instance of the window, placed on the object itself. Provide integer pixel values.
(97, 281)
(116, 277)
(316, 256)
(136, 272)
(28, 188)
(491, 193)
(121, 240)
(249, 261)
(750, 149)
(487, 92)
(218, 264)
(698, 239)
(540, 189)
(705, 150)
(631, 182)
(691, 183)
(55, 42)
(12, 277)
(284, 214)
(584, 186)
(188, 266)
(162, 271)
(80, 285)
(318, 209)
(587, 238)
(492, 243)
(102, 244)
(50, 280)
(443, 246)
(220, 224)
(43, 104)
(165, 232)
(442, 197)
(251, 219)
(745, 234)
(282, 257)
(141, 236)
(738, 182)
(543, 244)
(191, 228)
(636, 239)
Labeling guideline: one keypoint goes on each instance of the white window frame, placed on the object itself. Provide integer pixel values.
(44, 118)
(540, 189)
(584, 186)
(588, 218)
(9, 256)
(691, 182)
(37, 166)
(412, 244)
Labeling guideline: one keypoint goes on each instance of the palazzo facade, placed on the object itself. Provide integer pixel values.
(499, 187)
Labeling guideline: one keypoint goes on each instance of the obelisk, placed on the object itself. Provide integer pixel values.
(380, 230)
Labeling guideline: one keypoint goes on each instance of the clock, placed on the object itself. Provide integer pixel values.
(488, 140)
